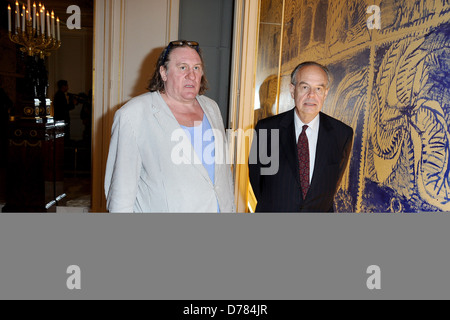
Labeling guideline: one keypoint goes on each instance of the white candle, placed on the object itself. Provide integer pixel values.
(34, 15)
(23, 18)
(57, 28)
(29, 10)
(9, 18)
(53, 25)
(39, 11)
(42, 15)
(17, 16)
(38, 29)
(48, 24)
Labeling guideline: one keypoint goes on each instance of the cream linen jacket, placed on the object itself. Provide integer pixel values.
(152, 166)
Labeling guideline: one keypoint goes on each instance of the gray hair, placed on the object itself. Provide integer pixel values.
(306, 64)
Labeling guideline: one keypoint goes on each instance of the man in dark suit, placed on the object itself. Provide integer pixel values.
(309, 150)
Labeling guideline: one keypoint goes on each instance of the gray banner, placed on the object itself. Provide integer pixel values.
(221, 256)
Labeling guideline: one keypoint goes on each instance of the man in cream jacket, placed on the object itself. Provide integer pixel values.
(168, 150)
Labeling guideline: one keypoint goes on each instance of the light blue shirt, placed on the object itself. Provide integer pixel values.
(202, 139)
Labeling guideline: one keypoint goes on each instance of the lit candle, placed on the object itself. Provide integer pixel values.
(17, 16)
(48, 24)
(9, 18)
(53, 25)
(42, 15)
(57, 28)
(34, 15)
(29, 10)
(38, 29)
(23, 18)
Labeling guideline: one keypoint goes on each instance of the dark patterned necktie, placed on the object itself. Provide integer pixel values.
(303, 160)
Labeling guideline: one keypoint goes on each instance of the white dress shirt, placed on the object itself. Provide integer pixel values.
(313, 134)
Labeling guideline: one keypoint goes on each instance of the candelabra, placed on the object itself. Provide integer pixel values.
(34, 44)
(35, 33)
(32, 33)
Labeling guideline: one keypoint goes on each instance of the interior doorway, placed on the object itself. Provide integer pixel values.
(73, 62)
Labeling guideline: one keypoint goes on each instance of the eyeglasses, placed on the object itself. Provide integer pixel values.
(180, 43)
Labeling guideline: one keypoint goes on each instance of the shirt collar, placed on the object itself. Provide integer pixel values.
(313, 125)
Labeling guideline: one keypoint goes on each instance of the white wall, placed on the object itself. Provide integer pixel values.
(145, 36)
(128, 37)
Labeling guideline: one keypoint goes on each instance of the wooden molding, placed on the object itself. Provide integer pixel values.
(243, 93)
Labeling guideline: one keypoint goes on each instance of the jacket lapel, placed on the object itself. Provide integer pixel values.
(289, 145)
(219, 141)
(323, 146)
(169, 124)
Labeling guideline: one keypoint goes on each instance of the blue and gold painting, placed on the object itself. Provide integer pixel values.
(391, 83)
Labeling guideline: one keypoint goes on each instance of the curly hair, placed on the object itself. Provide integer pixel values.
(156, 81)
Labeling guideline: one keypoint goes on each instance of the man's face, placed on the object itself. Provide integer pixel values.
(310, 92)
(182, 79)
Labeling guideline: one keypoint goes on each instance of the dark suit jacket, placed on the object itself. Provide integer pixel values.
(281, 192)
(61, 107)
